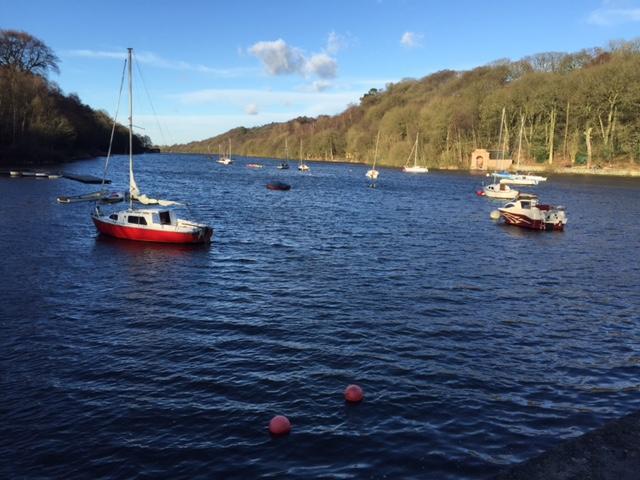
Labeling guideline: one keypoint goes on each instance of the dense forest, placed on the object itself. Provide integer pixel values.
(38, 123)
(560, 109)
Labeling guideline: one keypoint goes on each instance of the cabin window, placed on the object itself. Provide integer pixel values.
(136, 220)
(525, 204)
(113, 216)
(165, 218)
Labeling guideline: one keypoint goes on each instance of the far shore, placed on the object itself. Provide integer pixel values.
(608, 171)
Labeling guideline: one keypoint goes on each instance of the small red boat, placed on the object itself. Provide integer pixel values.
(150, 225)
(278, 186)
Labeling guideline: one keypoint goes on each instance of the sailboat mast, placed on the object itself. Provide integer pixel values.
(415, 157)
(375, 155)
(131, 180)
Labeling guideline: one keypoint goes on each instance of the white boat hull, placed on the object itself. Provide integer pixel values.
(415, 170)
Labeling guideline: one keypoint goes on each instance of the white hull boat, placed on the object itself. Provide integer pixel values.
(526, 212)
(499, 190)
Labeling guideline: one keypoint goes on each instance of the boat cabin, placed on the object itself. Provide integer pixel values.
(145, 217)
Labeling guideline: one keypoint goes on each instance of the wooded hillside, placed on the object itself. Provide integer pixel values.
(559, 108)
(38, 123)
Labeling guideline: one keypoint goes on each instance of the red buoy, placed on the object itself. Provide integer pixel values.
(279, 425)
(353, 394)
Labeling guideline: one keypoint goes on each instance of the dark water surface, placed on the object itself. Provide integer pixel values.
(477, 345)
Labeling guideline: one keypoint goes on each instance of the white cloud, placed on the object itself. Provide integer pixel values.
(251, 109)
(321, 65)
(411, 39)
(613, 16)
(278, 57)
(154, 60)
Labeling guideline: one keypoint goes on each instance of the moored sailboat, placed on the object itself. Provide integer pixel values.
(415, 168)
(147, 224)
(373, 173)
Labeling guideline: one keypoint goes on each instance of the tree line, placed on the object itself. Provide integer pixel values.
(38, 122)
(559, 109)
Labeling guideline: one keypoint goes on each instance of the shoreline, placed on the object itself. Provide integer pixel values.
(610, 452)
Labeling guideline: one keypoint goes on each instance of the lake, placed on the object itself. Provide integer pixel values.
(478, 345)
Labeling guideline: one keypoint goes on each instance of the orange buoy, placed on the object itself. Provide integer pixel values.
(279, 425)
(353, 394)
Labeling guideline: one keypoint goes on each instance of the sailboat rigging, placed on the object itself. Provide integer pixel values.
(147, 224)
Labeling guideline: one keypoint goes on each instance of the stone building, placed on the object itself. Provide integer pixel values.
(482, 159)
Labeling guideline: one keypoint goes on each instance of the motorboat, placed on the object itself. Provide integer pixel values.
(518, 178)
(526, 212)
(147, 224)
(254, 165)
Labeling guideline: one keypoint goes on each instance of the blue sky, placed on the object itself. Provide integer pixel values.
(211, 66)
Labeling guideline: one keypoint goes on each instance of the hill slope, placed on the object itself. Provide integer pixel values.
(560, 108)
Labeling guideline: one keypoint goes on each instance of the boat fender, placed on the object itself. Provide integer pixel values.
(495, 215)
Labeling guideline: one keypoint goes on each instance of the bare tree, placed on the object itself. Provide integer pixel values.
(26, 53)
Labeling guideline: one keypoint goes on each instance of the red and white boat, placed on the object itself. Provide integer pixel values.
(147, 224)
(526, 212)
(150, 225)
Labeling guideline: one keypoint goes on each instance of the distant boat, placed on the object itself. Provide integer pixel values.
(373, 173)
(254, 165)
(148, 224)
(519, 179)
(102, 196)
(302, 166)
(498, 189)
(225, 159)
(284, 165)
(278, 186)
(415, 168)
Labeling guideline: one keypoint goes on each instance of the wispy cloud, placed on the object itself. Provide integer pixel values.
(337, 42)
(265, 97)
(154, 60)
(608, 15)
(251, 109)
(411, 39)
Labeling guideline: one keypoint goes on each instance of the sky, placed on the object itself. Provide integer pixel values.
(204, 67)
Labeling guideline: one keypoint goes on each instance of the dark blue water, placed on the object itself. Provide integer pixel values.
(477, 345)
